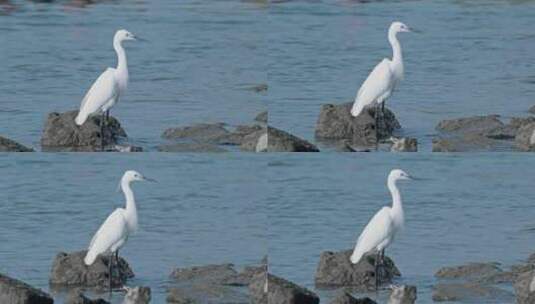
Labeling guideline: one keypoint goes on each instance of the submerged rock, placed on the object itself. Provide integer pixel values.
(469, 271)
(476, 124)
(336, 270)
(69, 270)
(137, 295)
(403, 295)
(468, 291)
(335, 122)
(467, 143)
(8, 145)
(281, 291)
(13, 291)
(281, 141)
(62, 134)
(77, 297)
(405, 144)
(344, 297)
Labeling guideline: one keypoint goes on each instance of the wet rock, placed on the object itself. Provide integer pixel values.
(282, 291)
(466, 143)
(344, 146)
(206, 293)
(336, 270)
(475, 124)
(126, 148)
(214, 133)
(403, 295)
(217, 274)
(251, 141)
(344, 297)
(525, 137)
(335, 122)
(62, 134)
(77, 297)
(176, 296)
(532, 110)
(262, 117)
(469, 291)
(191, 147)
(281, 141)
(469, 271)
(525, 288)
(137, 295)
(69, 270)
(241, 132)
(14, 291)
(8, 145)
(262, 143)
(245, 277)
(405, 144)
(258, 288)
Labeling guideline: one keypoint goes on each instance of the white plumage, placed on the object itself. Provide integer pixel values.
(385, 224)
(110, 85)
(385, 76)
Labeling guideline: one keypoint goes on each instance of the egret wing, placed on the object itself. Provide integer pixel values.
(377, 231)
(104, 89)
(376, 85)
(112, 231)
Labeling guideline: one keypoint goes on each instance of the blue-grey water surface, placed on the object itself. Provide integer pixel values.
(472, 57)
(203, 210)
(198, 65)
(469, 208)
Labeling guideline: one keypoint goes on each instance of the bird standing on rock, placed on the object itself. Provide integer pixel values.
(109, 86)
(382, 81)
(120, 224)
(383, 227)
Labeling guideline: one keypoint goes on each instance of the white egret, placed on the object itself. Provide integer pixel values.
(109, 86)
(385, 76)
(383, 227)
(114, 232)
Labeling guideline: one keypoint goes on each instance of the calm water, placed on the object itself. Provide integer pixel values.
(198, 65)
(474, 57)
(203, 210)
(470, 208)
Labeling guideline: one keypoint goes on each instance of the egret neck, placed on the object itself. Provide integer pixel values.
(122, 66)
(397, 56)
(131, 209)
(397, 205)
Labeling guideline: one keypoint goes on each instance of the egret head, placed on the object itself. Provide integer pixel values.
(122, 35)
(132, 175)
(398, 27)
(398, 174)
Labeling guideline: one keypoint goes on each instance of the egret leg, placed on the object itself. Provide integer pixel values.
(102, 131)
(118, 266)
(377, 271)
(110, 261)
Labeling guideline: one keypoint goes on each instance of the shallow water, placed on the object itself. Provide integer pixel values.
(198, 65)
(203, 210)
(473, 57)
(473, 208)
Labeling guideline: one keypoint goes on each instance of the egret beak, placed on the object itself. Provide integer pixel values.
(140, 39)
(412, 30)
(416, 178)
(150, 179)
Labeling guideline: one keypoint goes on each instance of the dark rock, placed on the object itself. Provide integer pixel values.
(206, 133)
(251, 141)
(69, 270)
(176, 296)
(405, 144)
(344, 146)
(77, 297)
(281, 141)
(8, 145)
(217, 274)
(466, 143)
(258, 288)
(239, 135)
(532, 110)
(469, 291)
(525, 137)
(191, 147)
(469, 271)
(403, 295)
(13, 291)
(282, 291)
(475, 124)
(137, 295)
(336, 270)
(336, 122)
(262, 117)
(62, 133)
(525, 288)
(245, 277)
(344, 297)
